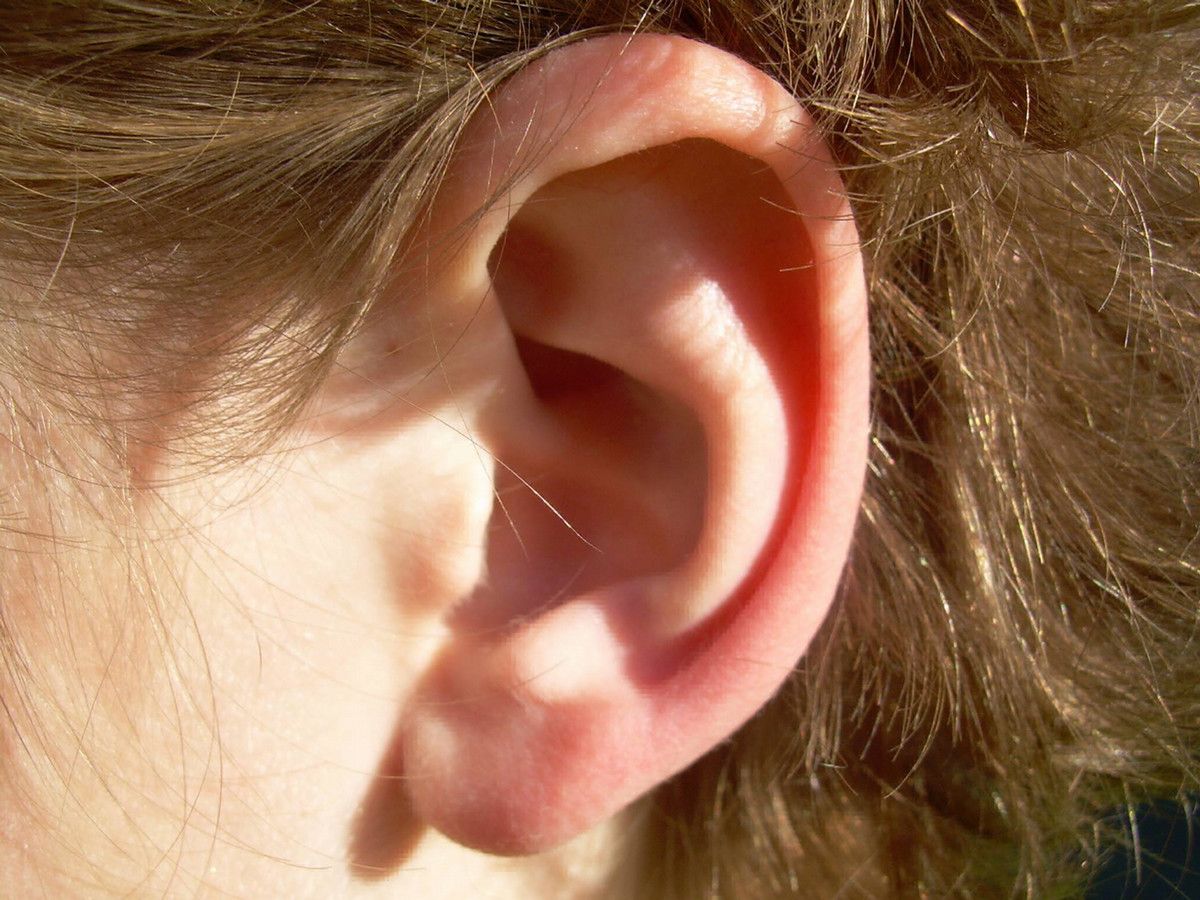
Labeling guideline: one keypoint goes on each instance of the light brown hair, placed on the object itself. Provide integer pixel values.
(1012, 654)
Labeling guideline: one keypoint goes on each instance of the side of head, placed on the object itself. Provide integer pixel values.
(433, 438)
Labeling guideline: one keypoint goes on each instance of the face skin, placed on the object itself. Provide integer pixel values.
(244, 738)
(487, 589)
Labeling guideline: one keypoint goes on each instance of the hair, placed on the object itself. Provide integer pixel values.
(199, 203)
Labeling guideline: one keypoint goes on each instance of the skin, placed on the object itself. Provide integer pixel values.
(488, 594)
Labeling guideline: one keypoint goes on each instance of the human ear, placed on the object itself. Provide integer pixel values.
(655, 338)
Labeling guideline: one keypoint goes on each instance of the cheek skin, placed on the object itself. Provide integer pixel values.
(251, 688)
(325, 595)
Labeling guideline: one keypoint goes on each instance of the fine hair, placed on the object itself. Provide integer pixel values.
(200, 203)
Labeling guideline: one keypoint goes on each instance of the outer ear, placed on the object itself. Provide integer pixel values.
(666, 293)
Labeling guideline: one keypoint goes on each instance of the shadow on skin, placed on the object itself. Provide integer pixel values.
(387, 828)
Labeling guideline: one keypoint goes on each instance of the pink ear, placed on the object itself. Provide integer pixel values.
(683, 442)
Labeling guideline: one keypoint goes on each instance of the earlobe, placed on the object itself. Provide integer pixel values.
(672, 279)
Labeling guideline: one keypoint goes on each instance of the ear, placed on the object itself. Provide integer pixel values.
(656, 335)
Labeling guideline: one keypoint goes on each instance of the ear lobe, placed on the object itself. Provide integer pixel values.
(680, 430)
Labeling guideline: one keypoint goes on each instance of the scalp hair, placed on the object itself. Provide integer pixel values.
(201, 202)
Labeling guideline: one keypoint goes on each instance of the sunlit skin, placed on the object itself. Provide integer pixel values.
(487, 593)
(442, 455)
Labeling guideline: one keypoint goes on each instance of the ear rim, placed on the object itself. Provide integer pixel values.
(759, 119)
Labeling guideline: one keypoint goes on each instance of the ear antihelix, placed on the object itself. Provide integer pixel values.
(679, 279)
(672, 284)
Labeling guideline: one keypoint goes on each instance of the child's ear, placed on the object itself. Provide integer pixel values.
(657, 337)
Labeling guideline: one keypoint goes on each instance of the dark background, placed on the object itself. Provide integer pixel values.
(1169, 835)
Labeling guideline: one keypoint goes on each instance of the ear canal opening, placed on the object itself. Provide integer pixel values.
(555, 374)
